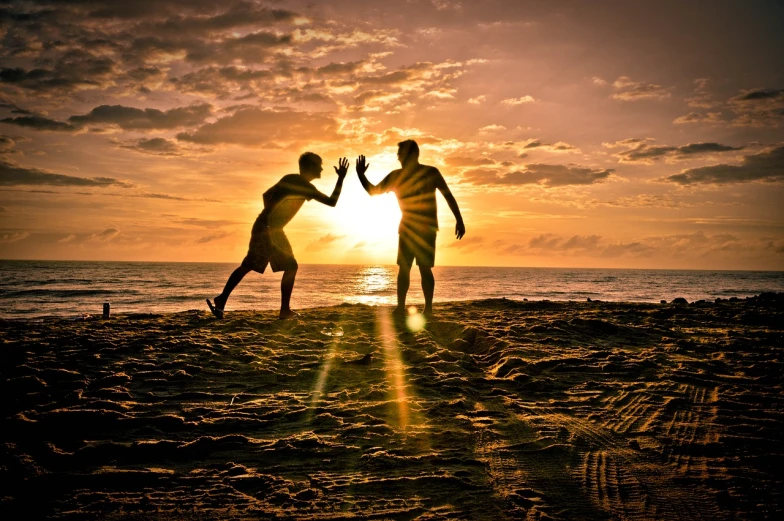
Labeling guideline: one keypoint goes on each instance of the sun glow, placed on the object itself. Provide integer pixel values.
(372, 220)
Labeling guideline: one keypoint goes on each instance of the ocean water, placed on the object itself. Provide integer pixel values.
(32, 289)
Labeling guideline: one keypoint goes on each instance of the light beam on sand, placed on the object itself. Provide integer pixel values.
(393, 366)
(321, 379)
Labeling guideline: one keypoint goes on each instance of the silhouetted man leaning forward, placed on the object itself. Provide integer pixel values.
(415, 187)
(268, 243)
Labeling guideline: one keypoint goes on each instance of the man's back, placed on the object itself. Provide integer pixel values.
(284, 199)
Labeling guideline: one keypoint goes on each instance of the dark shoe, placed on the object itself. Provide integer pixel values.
(218, 312)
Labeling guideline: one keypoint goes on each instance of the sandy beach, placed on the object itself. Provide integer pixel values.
(494, 409)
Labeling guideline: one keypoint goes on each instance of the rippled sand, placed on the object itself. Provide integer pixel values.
(494, 410)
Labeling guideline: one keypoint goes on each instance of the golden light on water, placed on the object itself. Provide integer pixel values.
(374, 286)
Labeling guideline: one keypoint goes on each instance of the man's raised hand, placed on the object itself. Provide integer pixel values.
(343, 170)
(361, 165)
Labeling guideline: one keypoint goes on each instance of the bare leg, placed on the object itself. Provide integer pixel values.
(286, 287)
(428, 287)
(403, 282)
(234, 279)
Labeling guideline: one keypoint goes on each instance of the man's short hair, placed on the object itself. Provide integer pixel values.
(309, 161)
(409, 147)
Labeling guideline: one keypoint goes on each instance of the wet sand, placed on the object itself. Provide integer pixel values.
(496, 409)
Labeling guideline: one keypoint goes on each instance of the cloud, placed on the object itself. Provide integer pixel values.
(459, 161)
(701, 97)
(645, 153)
(13, 175)
(7, 144)
(550, 147)
(105, 236)
(697, 117)
(155, 146)
(129, 118)
(75, 70)
(518, 101)
(625, 142)
(467, 244)
(767, 166)
(259, 128)
(492, 128)
(689, 245)
(478, 100)
(758, 108)
(322, 242)
(212, 238)
(9, 238)
(549, 241)
(544, 175)
(67, 239)
(629, 90)
(39, 123)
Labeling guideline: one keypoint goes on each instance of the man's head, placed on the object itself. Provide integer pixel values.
(407, 152)
(310, 165)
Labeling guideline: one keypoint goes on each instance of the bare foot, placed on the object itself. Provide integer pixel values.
(285, 314)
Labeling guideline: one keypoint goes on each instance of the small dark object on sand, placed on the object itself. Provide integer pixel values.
(680, 300)
(662, 301)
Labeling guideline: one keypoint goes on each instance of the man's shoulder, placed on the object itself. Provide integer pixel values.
(430, 170)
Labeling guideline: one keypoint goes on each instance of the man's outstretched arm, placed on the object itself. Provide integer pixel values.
(452, 202)
(367, 185)
(332, 200)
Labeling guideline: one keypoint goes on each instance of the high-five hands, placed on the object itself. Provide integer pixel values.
(343, 170)
(459, 230)
(361, 165)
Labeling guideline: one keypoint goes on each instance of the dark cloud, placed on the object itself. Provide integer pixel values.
(129, 118)
(13, 175)
(224, 81)
(213, 237)
(758, 108)
(540, 174)
(761, 94)
(766, 166)
(698, 117)
(155, 146)
(629, 90)
(7, 143)
(459, 161)
(39, 123)
(646, 153)
(257, 128)
(552, 147)
(73, 70)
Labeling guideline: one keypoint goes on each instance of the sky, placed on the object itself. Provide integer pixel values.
(572, 134)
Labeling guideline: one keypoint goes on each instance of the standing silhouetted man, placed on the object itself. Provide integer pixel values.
(415, 187)
(268, 243)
